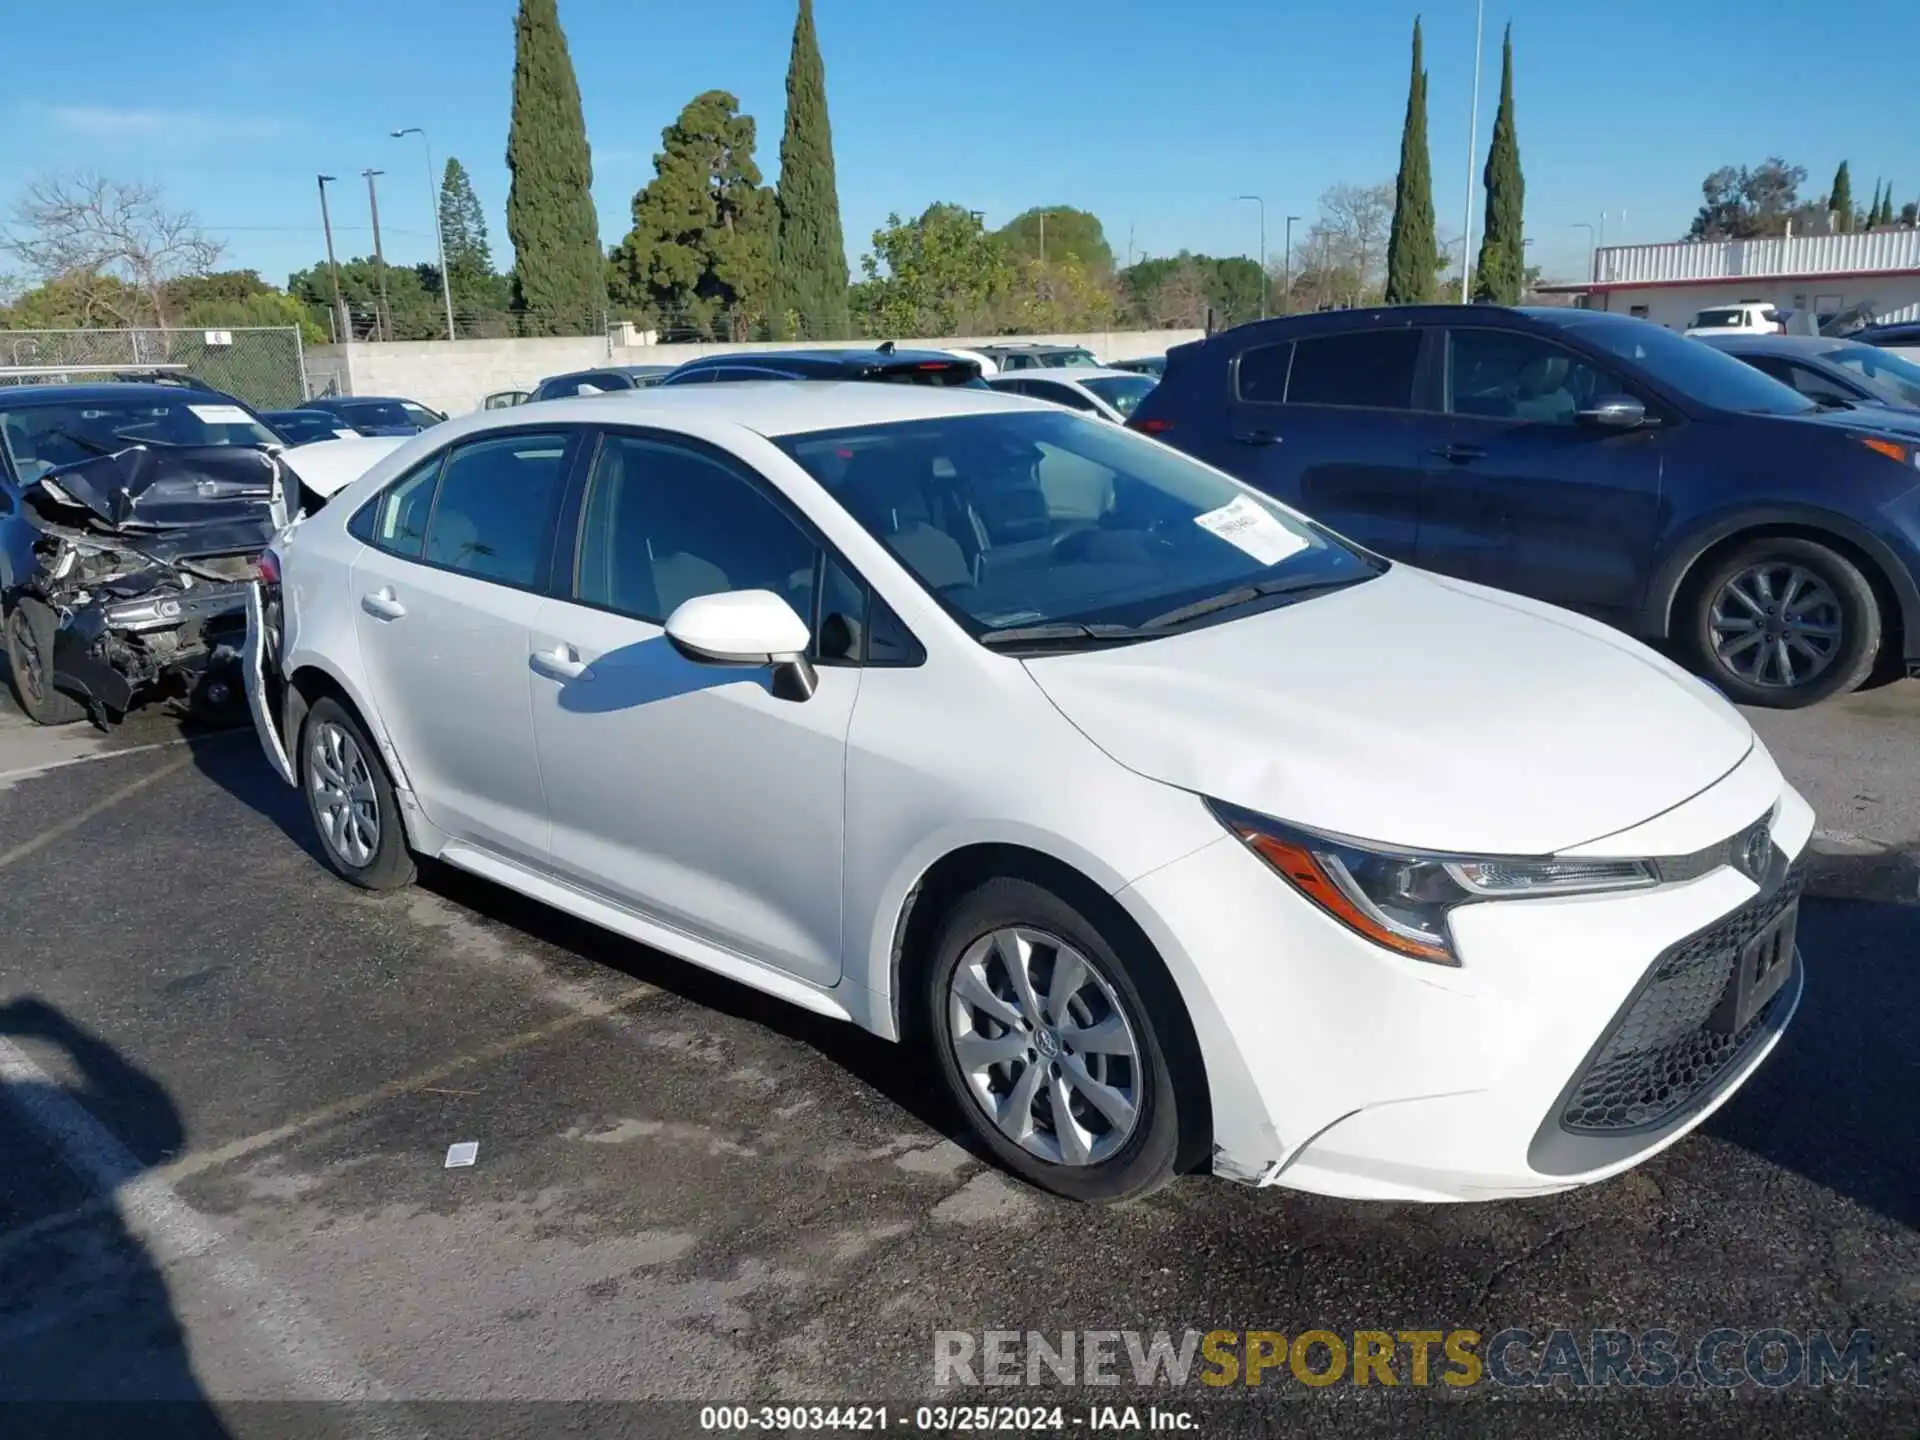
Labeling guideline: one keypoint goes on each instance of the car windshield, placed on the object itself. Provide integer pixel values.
(1896, 379)
(1072, 357)
(1122, 392)
(1049, 526)
(1699, 372)
(391, 412)
(40, 438)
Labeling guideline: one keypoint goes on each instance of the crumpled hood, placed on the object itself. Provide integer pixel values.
(145, 489)
(1411, 710)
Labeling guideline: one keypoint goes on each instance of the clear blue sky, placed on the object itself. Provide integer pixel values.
(1153, 114)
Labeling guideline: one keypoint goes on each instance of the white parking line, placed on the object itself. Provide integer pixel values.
(315, 1363)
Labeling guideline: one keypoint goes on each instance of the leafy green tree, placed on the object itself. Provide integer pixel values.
(1840, 199)
(413, 297)
(1502, 267)
(1413, 249)
(1910, 214)
(463, 230)
(700, 254)
(1066, 233)
(559, 271)
(941, 274)
(1744, 204)
(810, 257)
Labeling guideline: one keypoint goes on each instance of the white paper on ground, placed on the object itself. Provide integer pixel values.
(1247, 525)
(222, 414)
(465, 1153)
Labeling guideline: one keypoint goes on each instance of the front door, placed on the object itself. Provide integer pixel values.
(444, 597)
(689, 792)
(1332, 425)
(1524, 497)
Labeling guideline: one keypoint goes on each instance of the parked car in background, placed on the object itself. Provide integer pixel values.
(1154, 365)
(1591, 460)
(1747, 318)
(1033, 355)
(1108, 394)
(131, 516)
(1828, 372)
(378, 414)
(888, 365)
(987, 368)
(303, 427)
(606, 380)
(1903, 334)
(1047, 750)
(506, 399)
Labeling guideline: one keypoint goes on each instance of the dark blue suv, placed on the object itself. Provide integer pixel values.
(1587, 459)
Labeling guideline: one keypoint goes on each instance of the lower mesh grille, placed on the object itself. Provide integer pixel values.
(1661, 1052)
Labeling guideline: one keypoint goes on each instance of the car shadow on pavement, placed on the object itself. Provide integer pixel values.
(89, 1342)
(1836, 1101)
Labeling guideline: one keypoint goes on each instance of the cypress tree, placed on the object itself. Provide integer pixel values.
(810, 266)
(1886, 205)
(1840, 199)
(560, 276)
(1503, 256)
(1873, 210)
(1413, 249)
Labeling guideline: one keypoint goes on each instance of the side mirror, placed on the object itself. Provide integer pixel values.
(748, 628)
(1614, 412)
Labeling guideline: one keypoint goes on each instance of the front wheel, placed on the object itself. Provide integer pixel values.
(1049, 1049)
(1783, 622)
(29, 628)
(351, 798)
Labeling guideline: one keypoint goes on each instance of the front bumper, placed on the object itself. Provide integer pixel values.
(1338, 1068)
(112, 652)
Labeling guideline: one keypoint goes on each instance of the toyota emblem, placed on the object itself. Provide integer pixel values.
(1758, 848)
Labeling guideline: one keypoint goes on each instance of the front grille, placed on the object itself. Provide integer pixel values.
(1661, 1053)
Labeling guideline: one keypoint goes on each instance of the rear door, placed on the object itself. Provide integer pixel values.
(1334, 425)
(1523, 496)
(457, 559)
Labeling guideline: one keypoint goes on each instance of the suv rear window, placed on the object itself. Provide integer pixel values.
(1368, 368)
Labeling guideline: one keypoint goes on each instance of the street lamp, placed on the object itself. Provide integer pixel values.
(340, 330)
(1593, 251)
(1263, 250)
(1286, 271)
(1473, 123)
(439, 239)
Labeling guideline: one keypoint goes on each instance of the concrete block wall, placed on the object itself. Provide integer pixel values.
(455, 376)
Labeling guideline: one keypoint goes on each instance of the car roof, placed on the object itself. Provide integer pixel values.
(1779, 344)
(15, 395)
(1071, 374)
(322, 400)
(831, 356)
(774, 407)
(300, 410)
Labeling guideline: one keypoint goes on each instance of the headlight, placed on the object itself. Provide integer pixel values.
(1400, 899)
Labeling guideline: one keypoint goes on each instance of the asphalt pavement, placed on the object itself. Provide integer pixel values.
(231, 1083)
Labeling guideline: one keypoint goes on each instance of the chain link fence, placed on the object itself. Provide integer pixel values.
(263, 366)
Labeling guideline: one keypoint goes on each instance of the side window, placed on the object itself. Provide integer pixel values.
(493, 516)
(396, 518)
(1061, 395)
(665, 523)
(1368, 368)
(1817, 387)
(1509, 375)
(1261, 374)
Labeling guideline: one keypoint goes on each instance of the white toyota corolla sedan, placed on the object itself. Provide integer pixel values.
(1175, 830)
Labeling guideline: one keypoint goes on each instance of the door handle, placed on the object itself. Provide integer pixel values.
(1459, 454)
(383, 604)
(1256, 437)
(562, 662)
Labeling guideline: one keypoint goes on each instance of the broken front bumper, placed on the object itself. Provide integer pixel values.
(260, 673)
(110, 651)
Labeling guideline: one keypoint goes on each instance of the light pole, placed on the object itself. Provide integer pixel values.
(1286, 271)
(1043, 239)
(1593, 250)
(385, 316)
(1263, 250)
(341, 332)
(439, 236)
(1473, 125)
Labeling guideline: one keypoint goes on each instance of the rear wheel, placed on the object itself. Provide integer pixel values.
(351, 799)
(30, 627)
(1049, 1047)
(1783, 622)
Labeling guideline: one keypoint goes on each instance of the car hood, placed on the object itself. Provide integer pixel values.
(159, 488)
(1414, 711)
(1871, 419)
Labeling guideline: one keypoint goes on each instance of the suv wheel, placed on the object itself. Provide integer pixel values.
(1049, 1048)
(1784, 622)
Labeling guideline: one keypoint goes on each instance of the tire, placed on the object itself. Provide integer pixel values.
(30, 628)
(1830, 632)
(980, 935)
(356, 816)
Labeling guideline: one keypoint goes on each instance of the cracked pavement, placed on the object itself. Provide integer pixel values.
(685, 1191)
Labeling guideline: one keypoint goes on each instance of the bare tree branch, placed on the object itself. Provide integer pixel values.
(118, 242)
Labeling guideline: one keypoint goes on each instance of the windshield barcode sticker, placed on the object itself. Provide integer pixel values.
(221, 414)
(1249, 526)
